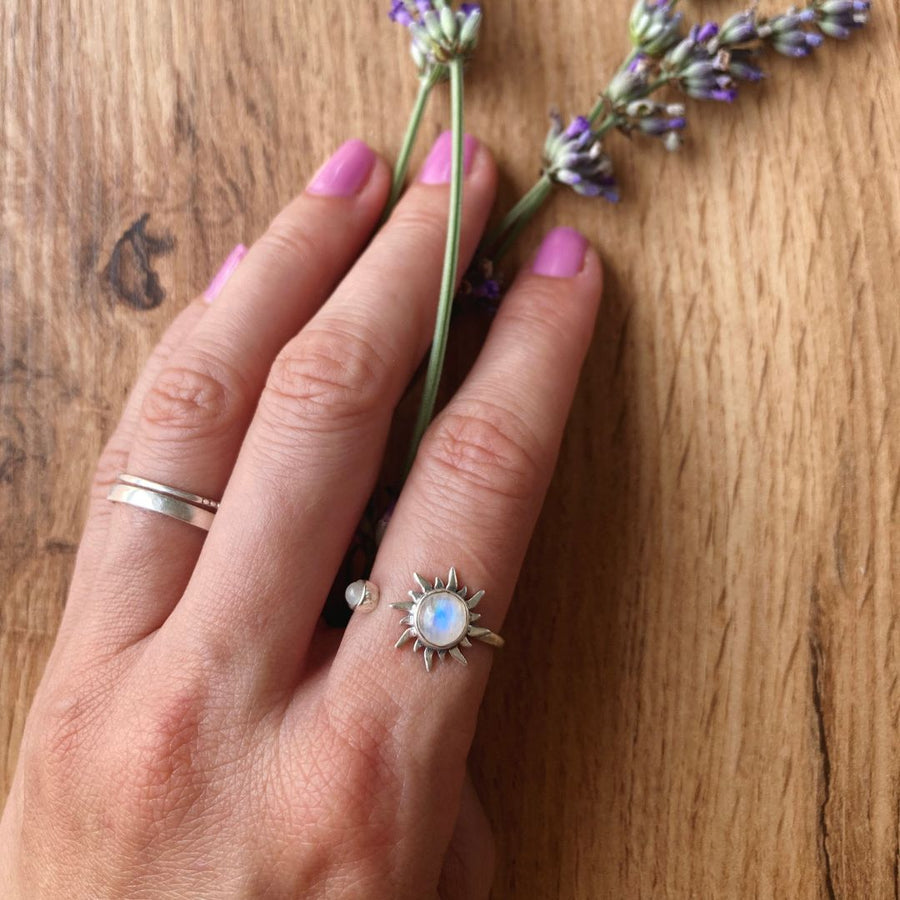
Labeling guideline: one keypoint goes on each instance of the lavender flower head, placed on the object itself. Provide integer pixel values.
(438, 33)
(654, 26)
(574, 156)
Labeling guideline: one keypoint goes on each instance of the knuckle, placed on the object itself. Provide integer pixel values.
(419, 225)
(165, 767)
(288, 237)
(202, 396)
(483, 450)
(335, 376)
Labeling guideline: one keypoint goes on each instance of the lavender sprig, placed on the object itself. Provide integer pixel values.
(708, 62)
(441, 41)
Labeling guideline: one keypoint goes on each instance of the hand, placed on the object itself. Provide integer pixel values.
(198, 731)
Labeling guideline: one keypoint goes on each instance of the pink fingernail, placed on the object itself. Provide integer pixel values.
(346, 172)
(221, 277)
(561, 254)
(437, 167)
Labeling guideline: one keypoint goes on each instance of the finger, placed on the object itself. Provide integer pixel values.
(471, 501)
(313, 452)
(195, 414)
(113, 459)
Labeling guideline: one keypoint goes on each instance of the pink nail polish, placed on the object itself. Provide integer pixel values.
(437, 167)
(221, 277)
(346, 172)
(561, 254)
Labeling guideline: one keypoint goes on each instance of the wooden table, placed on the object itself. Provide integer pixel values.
(701, 692)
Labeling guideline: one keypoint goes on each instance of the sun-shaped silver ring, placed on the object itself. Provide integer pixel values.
(440, 618)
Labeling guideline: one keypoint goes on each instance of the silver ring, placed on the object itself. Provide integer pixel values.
(440, 619)
(155, 497)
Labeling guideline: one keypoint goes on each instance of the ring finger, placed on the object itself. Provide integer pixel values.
(471, 501)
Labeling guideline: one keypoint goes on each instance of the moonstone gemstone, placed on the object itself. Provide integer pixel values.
(362, 595)
(442, 619)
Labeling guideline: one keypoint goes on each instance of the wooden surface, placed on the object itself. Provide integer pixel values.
(700, 693)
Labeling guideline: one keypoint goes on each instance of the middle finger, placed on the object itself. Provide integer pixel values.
(314, 448)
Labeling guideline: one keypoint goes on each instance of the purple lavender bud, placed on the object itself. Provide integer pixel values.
(652, 125)
(707, 32)
(740, 66)
(836, 7)
(400, 14)
(700, 70)
(577, 127)
(834, 30)
(677, 56)
(627, 86)
(654, 26)
(739, 29)
(657, 126)
(637, 64)
(796, 44)
(787, 23)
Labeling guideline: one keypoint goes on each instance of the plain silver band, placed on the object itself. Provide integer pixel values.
(152, 500)
(193, 499)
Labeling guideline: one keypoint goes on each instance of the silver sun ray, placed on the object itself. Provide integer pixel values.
(407, 635)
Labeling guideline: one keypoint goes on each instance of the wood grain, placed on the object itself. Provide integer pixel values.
(700, 693)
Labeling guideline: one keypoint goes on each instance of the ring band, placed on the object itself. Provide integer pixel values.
(154, 497)
(193, 499)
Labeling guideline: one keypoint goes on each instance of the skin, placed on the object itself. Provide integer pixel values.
(198, 732)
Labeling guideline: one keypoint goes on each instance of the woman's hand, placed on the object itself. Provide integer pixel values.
(199, 732)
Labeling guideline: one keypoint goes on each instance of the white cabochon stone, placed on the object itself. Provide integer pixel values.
(442, 619)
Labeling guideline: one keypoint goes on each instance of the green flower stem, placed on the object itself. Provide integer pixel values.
(426, 85)
(527, 206)
(504, 235)
(451, 266)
